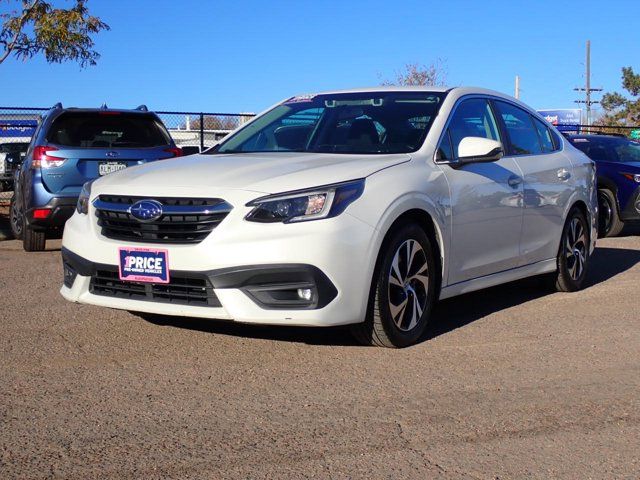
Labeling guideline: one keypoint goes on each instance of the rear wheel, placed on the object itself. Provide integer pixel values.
(609, 223)
(16, 217)
(32, 240)
(573, 254)
(403, 291)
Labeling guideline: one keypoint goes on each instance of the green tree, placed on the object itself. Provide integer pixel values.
(418, 74)
(60, 34)
(619, 109)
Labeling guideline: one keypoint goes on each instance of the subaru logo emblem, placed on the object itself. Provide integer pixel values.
(146, 210)
(111, 154)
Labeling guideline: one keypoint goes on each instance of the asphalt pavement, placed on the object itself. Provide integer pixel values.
(512, 382)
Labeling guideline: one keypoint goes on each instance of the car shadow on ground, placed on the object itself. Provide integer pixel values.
(448, 315)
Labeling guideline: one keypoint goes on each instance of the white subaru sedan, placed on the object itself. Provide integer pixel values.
(359, 207)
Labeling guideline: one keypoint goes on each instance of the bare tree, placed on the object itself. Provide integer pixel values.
(418, 74)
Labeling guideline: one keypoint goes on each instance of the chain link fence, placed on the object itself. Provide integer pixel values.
(192, 131)
(631, 132)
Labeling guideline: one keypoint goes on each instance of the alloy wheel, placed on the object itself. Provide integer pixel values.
(576, 248)
(408, 280)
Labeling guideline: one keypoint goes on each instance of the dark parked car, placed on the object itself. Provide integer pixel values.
(618, 169)
(11, 156)
(72, 146)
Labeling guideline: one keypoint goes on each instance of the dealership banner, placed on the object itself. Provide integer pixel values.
(565, 120)
(17, 128)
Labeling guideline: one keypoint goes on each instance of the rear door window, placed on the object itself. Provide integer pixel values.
(107, 130)
(546, 141)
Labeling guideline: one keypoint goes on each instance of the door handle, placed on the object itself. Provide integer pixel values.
(514, 181)
(564, 174)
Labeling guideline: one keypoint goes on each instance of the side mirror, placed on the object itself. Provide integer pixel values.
(479, 149)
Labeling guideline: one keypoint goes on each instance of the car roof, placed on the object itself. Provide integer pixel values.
(458, 91)
(93, 110)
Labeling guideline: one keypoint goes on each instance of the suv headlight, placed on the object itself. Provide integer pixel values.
(304, 205)
(634, 177)
(83, 200)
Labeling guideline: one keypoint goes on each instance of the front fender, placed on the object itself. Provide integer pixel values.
(390, 198)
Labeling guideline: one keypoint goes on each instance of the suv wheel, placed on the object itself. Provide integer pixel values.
(403, 291)
(32, 240)
(573, 254)
(16, 217)
(609, 223)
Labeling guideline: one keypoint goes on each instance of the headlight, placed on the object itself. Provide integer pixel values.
(632, 176)
(303, 205)
(83, 200)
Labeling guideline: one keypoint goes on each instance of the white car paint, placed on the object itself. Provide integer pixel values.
(488, 231)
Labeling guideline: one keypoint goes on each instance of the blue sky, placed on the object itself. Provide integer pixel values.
(231, 56)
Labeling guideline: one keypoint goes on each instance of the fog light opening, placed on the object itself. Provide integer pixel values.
(305, 294)
(69, 275)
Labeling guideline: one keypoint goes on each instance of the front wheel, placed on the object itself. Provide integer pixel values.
(573, 254)
(609, 223)
(403, 291)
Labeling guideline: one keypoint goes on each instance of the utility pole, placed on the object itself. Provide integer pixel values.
(517, 93)
(587, 88)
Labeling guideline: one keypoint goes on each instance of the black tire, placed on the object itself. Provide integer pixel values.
(573, 254)
(609, 223)
(397, 284)
(32, 240)
(16, 218)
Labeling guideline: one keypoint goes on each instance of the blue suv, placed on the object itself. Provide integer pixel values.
(617, 162)
(72, 146)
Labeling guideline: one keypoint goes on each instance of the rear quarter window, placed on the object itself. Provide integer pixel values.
(107, 130)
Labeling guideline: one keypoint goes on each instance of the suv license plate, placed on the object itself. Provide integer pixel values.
(147, 265)
(104, 168)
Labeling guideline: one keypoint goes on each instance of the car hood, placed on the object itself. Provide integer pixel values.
(632, 167)
(271, 172)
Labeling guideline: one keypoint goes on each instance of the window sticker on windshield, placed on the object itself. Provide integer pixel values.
(301, 98)
(580, 140)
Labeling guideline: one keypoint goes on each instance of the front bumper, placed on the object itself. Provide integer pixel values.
(312, 273)
(631, 211)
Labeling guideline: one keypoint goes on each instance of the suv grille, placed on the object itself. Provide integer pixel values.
(184, 288)
(184, 220)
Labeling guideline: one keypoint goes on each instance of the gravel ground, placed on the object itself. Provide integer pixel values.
(513, 382)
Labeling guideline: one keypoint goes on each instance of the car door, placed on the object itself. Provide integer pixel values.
(547, 181)
(486, 198)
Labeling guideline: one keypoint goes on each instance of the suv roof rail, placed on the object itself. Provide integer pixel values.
(142, 108)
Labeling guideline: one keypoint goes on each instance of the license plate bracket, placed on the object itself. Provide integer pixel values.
(143, 265)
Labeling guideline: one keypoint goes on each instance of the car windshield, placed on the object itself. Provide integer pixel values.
(372, 122)
(609, 149)
(108, 129)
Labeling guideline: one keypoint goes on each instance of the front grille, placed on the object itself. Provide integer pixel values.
(184, 288)
(184, 220)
